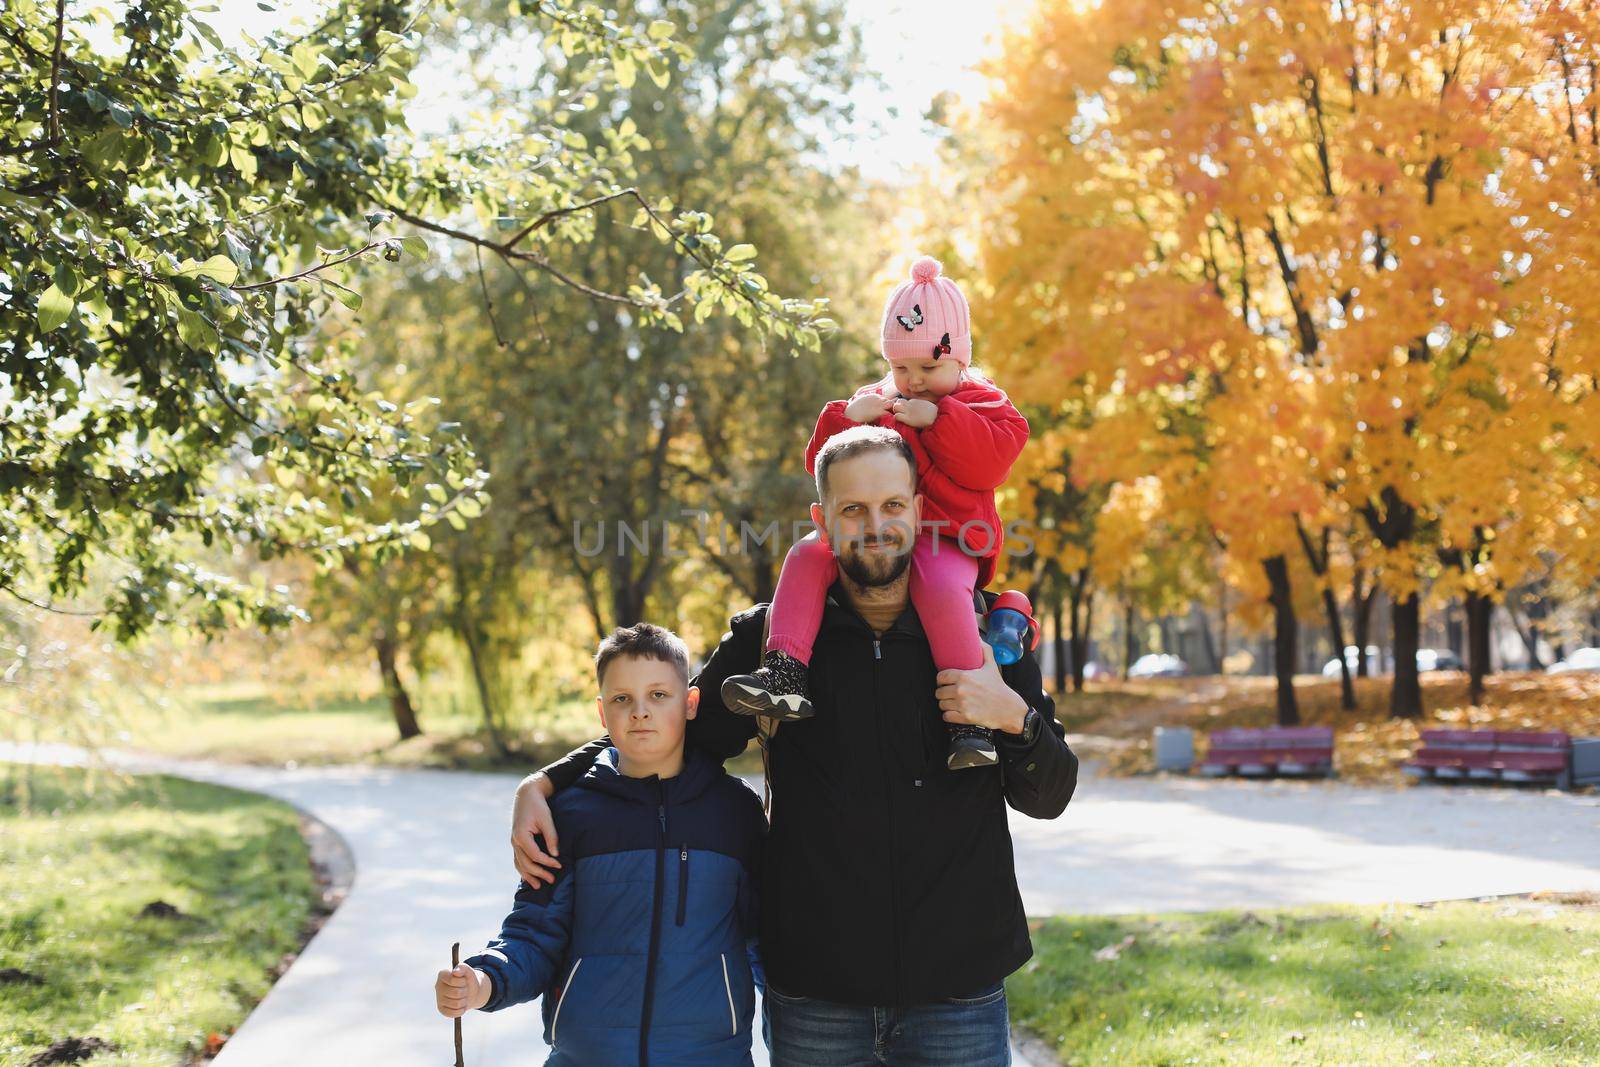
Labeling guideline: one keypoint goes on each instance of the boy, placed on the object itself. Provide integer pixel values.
(639, 946)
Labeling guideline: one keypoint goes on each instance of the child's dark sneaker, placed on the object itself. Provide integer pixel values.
(777, 688)
(971, 746)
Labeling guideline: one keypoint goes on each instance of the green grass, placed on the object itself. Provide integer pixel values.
(77, 869)
(250, 722)
(1452, 984)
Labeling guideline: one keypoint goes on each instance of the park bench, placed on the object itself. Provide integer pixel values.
(1302, 751)
(1550, 758)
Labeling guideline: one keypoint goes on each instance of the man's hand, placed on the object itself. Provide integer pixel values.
(867, 408)
(981, 697)
(918, 413)
(461, 990)
(531, 816)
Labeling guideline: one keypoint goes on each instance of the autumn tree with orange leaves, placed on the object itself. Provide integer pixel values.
(1327, 263)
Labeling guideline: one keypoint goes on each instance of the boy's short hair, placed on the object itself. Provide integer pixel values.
(643, 641)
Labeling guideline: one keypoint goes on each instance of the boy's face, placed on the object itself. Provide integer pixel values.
(645, 704)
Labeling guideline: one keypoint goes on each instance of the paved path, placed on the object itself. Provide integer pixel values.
(1182, 844)
(432, 866)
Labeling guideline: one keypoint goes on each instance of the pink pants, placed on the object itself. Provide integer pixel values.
(942, 578)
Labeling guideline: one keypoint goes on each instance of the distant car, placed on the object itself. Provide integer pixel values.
(1585, 659)
(1158, 665)
(1438, 659)
(1428, 659)
(1094, 671)
(1331, 668)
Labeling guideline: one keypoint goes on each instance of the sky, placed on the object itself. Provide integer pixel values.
(919, 47)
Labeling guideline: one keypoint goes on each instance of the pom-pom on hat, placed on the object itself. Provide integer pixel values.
(927, 317)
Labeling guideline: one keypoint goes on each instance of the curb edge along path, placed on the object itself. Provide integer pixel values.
(431, 867)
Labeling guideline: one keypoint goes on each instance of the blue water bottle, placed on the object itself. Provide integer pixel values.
(1007, 628)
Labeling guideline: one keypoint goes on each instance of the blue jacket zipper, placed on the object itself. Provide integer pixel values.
(655, 930)
(683, 883)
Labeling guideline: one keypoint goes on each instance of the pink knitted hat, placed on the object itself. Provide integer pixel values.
(927, 316)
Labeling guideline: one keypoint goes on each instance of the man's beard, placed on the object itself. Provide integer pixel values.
(870, 570)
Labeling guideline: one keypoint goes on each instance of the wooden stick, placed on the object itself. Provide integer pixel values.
(455, 961)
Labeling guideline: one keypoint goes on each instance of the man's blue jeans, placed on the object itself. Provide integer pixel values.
(960, 1032)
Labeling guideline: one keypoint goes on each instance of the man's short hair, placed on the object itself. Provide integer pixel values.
(858, 441)
(642, 641)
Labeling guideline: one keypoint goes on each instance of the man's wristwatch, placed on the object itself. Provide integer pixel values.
(1031, 723)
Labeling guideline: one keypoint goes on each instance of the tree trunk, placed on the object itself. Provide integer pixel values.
(1405, 699)
(405, 716)
(1059, 645)
(1347, 688)
(763, 571)
(480, 678)
(1286, 637)
(1222, 627)
(627, 598)
(1319, 555)
(1530, 637)
(1454, 632)
(1081, 628)
(1540, 612)
(1129, 642)
(1480, 609)
(1207, 643)
(1361, 622)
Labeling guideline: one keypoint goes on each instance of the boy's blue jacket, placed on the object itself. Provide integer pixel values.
(639, 948)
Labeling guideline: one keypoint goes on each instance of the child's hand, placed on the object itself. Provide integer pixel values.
(918, 413)
(867, 408)
(461, 990)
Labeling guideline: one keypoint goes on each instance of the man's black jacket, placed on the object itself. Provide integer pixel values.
(887, 879)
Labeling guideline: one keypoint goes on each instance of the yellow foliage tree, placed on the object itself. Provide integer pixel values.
(1341, 244)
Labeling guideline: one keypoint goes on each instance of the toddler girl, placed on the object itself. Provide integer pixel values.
(965, 434)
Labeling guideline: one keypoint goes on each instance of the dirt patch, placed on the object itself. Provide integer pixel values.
(160, 909)
(1227, 928)
(1571, 900)
(17, 976)
(71, 1050)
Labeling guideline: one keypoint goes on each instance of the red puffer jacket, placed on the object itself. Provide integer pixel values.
(961, 460)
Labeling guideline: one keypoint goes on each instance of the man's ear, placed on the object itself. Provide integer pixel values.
(694, 702)
(819, 519)
(600, 709)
